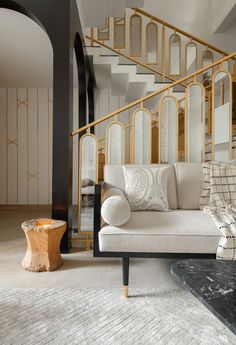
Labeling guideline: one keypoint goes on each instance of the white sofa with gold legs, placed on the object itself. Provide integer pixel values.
(183, 232)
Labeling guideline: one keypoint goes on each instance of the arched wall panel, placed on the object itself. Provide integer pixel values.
(175, 55)
(141, 136)
(151, 43)
(168, 129)
(221, 116)
(88, 171)
(135, 35)
(104, 31)
(120, 32)
(195, 123)
(115, 143)
(207, 59)
(191, 57)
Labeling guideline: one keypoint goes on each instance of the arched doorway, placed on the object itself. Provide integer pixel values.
(64, 25)
(26, 69)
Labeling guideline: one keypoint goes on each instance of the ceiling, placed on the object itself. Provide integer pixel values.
(202, 18)
(26, 56)
(104, 8)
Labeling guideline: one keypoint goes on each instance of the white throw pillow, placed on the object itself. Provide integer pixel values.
(146, 188)
(115, 208)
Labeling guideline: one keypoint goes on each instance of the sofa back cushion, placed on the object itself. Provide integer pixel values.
(114, 176)
(189, 178)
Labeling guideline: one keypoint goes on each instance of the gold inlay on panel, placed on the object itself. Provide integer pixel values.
(21, 103)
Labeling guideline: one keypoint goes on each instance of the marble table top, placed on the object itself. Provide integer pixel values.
(213, 282)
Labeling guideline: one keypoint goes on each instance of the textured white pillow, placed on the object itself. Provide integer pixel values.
(115, 208)
(146, 188)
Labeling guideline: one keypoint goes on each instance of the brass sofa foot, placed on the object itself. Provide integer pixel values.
(126, 291)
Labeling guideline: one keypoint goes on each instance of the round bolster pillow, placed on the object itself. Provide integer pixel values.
(115, 208)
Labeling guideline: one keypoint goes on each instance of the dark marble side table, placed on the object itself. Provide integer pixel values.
(213, 282)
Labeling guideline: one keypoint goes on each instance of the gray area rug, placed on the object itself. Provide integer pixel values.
(102, 316)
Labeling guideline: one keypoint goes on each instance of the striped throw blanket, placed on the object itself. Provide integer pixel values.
(218, 199)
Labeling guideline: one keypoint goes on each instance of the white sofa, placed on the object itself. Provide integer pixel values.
(184, 231)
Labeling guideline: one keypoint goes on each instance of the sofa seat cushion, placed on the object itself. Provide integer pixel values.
(177, 231)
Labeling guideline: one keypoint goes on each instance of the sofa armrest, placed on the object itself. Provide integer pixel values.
(102, 191)
(109, 191)
(98, 195)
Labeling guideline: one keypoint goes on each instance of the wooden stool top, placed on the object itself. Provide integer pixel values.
(42, 224)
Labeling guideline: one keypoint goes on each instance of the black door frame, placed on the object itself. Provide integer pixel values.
(60, 19)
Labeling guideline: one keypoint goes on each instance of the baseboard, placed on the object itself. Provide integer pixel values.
(26, 207)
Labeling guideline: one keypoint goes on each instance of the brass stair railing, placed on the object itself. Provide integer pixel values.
(128, 126)
(165, 53)
(137, 62)
(153, 94)
(182, 32)
(152, 101)
(153, 70)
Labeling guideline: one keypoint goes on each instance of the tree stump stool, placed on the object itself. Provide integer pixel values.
(43, 244)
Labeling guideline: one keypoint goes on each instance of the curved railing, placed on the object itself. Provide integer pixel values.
(152, 95)
(180, 31)
(118, 130)
(96, 148)
(136, 61)
(140, 30)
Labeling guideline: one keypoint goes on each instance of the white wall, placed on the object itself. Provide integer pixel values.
(104, 8)
(223, 13)
(196, 17)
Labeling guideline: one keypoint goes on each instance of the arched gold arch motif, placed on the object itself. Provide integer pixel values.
(221, 116)
(135, 35)
(175, 55)
(195, 123)
(225, 65)
(151, 43)
(141, 137)
(88, 169)
(120, 32)
(104, 31)
(207, 59)
(115, 143)
(168, 129)
(191, 57)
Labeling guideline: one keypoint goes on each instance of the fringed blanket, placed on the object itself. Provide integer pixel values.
(219, 196)
(225, 220)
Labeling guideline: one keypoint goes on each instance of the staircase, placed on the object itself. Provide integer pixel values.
(122, 73)
(123, 78)
(175, 106)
